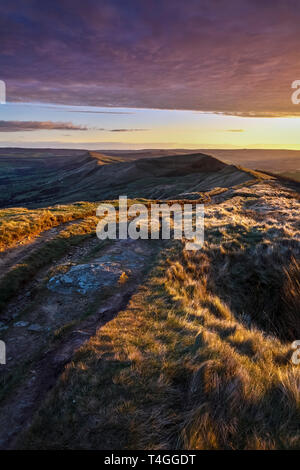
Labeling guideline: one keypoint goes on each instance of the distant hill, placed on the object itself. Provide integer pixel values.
(95, 326)
(37, 178)
(275, 161)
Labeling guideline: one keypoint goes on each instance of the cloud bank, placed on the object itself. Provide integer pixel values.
(20, 126)
(232, 57)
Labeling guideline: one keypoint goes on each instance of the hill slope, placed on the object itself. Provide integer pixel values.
(180, 350)
(41, 178)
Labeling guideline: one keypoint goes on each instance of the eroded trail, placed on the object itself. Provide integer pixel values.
(68, 302)
(75, 298)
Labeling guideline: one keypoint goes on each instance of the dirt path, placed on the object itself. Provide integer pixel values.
(47, 360)
(15, 255)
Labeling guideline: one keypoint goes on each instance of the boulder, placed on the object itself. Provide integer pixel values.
(85, 278)
(105, 271)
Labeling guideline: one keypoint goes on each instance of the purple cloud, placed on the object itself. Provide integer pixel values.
(127, 130)
(234, 57)
(20, 126)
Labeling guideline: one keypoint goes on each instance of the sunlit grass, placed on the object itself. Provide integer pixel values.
(18, 224)
(201, 357)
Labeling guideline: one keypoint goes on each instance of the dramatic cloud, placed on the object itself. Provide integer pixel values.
(83, 111)
(233, 57)
(127, 130)
(20, 126)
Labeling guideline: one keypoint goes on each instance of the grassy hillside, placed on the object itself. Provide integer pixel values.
(37, 179)
(180, 349)
(293, 175)
(201, 356)
(166, 348)
(273, 160)
(21, 224)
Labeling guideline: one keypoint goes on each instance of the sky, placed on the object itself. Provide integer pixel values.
(121, 74)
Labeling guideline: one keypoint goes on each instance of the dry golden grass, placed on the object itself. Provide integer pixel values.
(50, 251)
(247, 380)
(176, 370)
(201, 357)
(18, 224)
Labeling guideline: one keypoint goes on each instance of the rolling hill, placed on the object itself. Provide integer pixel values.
(41, 178)
(143, 344)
